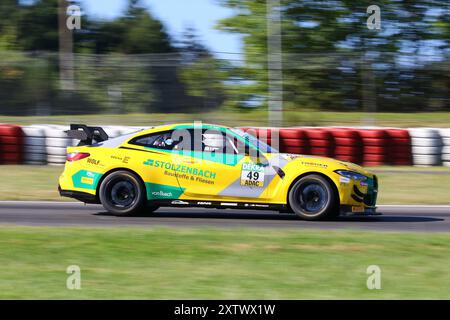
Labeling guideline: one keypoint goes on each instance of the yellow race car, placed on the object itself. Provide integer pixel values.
(209, 166)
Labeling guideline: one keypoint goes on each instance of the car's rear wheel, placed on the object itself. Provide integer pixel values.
(312, 198)
(123, 194)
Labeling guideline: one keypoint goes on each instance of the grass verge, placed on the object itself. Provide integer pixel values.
(161, 263)
(248, 117)
(398, 185)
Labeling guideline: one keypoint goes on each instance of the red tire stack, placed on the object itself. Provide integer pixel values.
(399, 150)
(293, 140)
(375, 146)
(263, 134)
(11, 144)
(321, 142)
(348, 145)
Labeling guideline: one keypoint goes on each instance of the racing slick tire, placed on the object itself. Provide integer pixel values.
(312, 198)
(123, 194)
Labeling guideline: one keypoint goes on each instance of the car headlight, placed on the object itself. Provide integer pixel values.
(352, 175)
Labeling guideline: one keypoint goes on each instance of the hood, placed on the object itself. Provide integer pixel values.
(324, 162)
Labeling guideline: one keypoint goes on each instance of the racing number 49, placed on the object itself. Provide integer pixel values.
(253, 175)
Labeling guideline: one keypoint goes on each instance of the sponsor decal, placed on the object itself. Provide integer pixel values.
(203, 203)
(344, 180)
(86, 179)
(252, 175)
(180, 168)
(179, 202)
(259, 205)
(161, 191)
(256, 205)
(116, 158)
(229, 204)
(93, 161)
(125, 159)
(90, 174)
(162, 194)
(314, 164)
(291, 156)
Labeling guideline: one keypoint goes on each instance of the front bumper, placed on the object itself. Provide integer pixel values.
(355, 193)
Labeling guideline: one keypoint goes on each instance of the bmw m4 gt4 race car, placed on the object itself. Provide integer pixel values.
(209, 166)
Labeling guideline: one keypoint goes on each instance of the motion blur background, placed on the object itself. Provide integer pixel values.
(208, 59)
(277, 63)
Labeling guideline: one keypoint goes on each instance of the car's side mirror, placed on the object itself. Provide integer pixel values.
(262, 161)
(257, 157)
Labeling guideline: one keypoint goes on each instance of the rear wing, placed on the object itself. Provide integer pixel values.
(86, 135)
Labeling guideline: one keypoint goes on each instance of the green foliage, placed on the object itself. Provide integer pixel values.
(118, 85)
(136, 32)
(331, 60)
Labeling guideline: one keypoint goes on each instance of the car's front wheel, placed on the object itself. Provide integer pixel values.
(313, 198)
(122, 193)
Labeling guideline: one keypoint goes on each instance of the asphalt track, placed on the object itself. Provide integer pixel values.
(394, 218)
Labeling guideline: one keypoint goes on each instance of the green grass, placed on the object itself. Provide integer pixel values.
(23, 182)
(407, 186)
(221, 264)
(401, 187)
(248, 117)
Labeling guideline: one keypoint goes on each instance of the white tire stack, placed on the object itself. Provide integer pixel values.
(56, 141)
(445, 135)
(126, 130)
(426, 146)
(34, 146)
(112, 131)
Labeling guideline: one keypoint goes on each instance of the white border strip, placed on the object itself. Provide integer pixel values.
(81, 203)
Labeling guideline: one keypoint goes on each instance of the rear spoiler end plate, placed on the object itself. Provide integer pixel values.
(87, 135)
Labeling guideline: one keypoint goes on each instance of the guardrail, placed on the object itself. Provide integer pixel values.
(46, 144)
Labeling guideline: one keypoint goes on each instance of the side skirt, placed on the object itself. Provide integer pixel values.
(217, 204)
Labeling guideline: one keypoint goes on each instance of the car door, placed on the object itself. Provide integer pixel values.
(219, 169)
(157, 164)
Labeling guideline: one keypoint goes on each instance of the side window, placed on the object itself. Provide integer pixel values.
(218, 142)
(160, 140)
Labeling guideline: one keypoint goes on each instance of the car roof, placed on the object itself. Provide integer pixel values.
(186, 125)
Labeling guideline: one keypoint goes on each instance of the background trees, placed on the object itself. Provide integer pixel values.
(331, 60)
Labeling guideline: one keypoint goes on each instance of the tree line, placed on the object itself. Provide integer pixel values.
(330, 59)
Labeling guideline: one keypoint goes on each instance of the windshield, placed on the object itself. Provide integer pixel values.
(253, 141)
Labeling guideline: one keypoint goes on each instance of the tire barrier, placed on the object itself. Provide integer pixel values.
(56, 142)
(11, 144)
(35, 151)
(47, 144)
(399, 152)
(263, 134)
(426, 146)
(445, 136)
(375, 146)
(293, 140)
(320, 141)
(347, 145)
